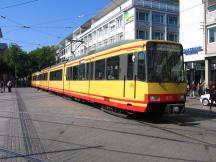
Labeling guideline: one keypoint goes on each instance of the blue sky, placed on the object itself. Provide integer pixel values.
(49, 20)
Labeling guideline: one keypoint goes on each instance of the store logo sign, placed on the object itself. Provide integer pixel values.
(128, 17)
(192, 51)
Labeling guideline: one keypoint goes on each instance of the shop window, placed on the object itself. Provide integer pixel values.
(212, 35)
(212, 8)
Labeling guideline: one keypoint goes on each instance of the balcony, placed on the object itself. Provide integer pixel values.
(173, 28)
(157, 5)
(143, 25)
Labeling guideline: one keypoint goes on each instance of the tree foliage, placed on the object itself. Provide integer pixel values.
(17, 62)
(42, 58)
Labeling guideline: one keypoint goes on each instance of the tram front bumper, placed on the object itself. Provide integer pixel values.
(175, 108)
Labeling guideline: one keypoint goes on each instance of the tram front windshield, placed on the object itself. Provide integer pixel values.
(165, 62)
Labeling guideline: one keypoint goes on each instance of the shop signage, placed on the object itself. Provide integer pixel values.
(192, 51)
(128, 17)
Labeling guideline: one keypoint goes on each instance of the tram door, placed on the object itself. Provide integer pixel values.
(130, 77)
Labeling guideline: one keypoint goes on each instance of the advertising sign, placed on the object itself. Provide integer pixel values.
(128, 17)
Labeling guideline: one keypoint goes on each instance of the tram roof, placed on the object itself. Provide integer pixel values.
(113, 45)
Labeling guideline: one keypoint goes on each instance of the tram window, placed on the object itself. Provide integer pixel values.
(100, 70)
(59, 75)
(75, 73)
(112, 68)
(45, 76)
(87, 71)
(56, 75)
(69, 73)
(51, 75)
(91, 70)
(141, 66)
(130, 66)
(82, 72)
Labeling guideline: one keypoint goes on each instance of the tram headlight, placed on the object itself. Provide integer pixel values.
(154, 98)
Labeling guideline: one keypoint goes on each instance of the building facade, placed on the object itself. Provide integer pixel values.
(192, 39)
(123, 20)
(210, 41)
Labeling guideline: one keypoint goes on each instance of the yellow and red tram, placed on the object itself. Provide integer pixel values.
(133, 75)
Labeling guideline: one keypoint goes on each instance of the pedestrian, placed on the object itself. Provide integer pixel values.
(1, 86)
(193, 88)
(188, 89)
(202, 88)
(9, 85)
(5, 85)
(198, 89)
(212, 96)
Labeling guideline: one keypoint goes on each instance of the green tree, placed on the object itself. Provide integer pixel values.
(42, 58)
(20, 64)
(16, 60)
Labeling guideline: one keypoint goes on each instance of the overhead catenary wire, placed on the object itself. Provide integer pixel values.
(63, 19)
(28, 27)
(190, 8)
(18, 4)
(14, 41)
(50, 27)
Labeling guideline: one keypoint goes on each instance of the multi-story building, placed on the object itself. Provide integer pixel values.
(192, 39)
(210, 41)
(122, 20)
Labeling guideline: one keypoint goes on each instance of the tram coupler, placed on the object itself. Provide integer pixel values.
(175, 108)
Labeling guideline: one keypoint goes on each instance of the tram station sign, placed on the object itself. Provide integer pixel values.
(192, 51)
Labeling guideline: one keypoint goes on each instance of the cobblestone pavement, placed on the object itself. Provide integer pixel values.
(40, 126)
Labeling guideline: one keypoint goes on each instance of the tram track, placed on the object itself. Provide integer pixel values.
(206, 144)
(141, 123)
(177, 122)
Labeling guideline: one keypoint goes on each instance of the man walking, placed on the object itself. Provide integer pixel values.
(212, 96)
(1, 86)
(9, 85)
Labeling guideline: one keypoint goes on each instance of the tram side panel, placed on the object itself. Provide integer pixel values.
(56, 83)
